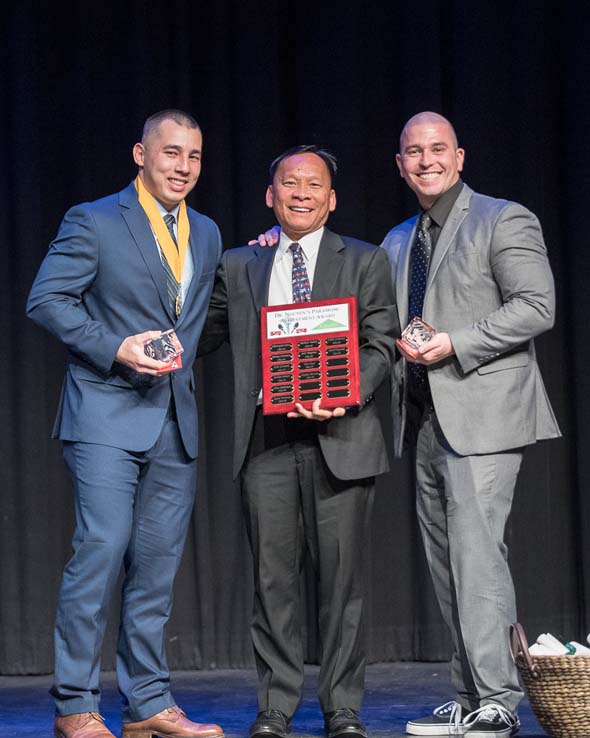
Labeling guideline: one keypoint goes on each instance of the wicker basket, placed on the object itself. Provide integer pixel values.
(558, 688)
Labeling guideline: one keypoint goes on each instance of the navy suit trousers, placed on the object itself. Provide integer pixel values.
(132, 513)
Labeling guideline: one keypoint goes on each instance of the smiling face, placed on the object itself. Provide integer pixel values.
(429, 159)
(301, 194)
(169, 161)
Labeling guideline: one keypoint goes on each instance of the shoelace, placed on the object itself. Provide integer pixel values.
(489, 713)
(459, 725)
(454, 711)
(455, 722)
(446, 709)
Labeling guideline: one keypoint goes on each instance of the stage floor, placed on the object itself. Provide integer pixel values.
(395, 692)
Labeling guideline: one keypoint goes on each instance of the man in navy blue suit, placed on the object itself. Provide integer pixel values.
(120, 271)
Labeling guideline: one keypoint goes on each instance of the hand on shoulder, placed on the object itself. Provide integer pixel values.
(268, 238)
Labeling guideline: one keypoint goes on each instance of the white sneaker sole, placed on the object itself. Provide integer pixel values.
(417, 729)
(443, 730)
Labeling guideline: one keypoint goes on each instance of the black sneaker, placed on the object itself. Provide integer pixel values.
(270, 724)
(445, 720)
(490, 720)
(344, 722)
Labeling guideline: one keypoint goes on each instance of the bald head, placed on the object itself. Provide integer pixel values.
(425, 118)
(429, 158)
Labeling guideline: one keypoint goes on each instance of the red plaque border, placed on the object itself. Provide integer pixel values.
(293, 360)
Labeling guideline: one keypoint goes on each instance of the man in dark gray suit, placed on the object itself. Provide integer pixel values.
(475, 268)
(307, 477)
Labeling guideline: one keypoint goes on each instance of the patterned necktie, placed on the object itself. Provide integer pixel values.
(421, 253)
(173, 287)
(299, 278)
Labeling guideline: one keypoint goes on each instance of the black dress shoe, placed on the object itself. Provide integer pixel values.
(270, 724)
(344, 722)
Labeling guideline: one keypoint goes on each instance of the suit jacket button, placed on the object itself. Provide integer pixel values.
(254, 392)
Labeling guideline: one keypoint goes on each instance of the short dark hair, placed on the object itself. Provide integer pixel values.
(178, 116)
(325, 155)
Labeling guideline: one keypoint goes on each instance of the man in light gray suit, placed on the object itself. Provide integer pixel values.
(475, 268)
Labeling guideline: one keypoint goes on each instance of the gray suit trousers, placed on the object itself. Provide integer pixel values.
(463, 503)
(293, 506)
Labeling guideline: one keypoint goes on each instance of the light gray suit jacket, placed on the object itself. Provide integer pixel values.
(490, 287)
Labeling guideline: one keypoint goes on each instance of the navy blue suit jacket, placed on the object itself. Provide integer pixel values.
(101, 281)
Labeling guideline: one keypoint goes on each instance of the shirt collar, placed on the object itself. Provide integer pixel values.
(309, 244)
(164, 212)
(439, 212)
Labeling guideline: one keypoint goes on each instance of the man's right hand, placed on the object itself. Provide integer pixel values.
(131, 353)
(268, 238)
(436, 349)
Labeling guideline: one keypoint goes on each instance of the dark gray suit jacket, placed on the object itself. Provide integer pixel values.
(353, 446)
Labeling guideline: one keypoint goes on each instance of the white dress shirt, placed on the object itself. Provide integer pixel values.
(280, 288)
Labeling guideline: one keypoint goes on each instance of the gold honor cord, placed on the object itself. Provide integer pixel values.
(175, 257)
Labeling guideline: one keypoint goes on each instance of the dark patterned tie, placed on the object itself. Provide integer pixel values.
(421, 253)
(172, 286)
(299, 278)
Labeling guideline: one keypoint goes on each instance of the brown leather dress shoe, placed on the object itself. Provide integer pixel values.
(170, 723)
(81, 725)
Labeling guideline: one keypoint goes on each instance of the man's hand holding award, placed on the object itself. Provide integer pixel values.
(422, 344)
(415, 335)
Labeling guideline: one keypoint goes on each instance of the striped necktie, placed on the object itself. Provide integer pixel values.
(169, 219)
(173, 287)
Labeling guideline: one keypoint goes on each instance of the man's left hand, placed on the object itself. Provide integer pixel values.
(316, 412)
(438, 348)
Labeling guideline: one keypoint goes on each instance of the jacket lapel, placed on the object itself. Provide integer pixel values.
(140, 230)
(328, 266)
(259, 268)
(196, 254)
(402, 284)
(449, 231)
